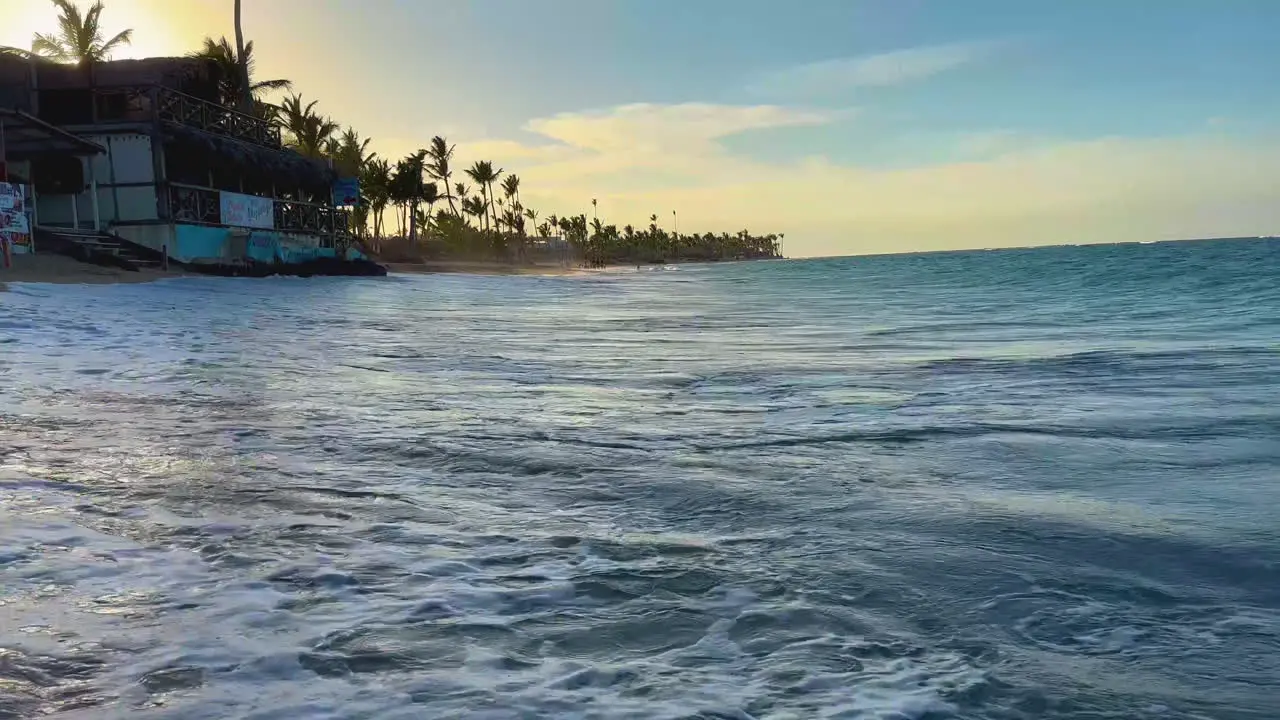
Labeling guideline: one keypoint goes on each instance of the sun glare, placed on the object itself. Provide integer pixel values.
(153, 34)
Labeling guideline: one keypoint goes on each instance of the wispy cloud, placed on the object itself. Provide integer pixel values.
(629, 146)
(1004, 188)
(685, 127)
(886, 69)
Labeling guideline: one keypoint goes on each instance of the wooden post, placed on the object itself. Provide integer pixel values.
(164, 258)
(163, 210)
(35, 215)
(4, 176)
(93, 197)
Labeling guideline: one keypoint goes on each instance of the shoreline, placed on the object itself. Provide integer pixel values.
(478, 267)
(52, 269)
(61, 270)
(55, 269)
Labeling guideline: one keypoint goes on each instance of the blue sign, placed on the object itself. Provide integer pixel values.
(346, 191)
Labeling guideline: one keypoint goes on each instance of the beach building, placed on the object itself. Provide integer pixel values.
(139, 158)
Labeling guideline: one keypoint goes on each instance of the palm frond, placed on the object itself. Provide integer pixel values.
(50, 47)
(124, 37)
(272, 85)
(91, 23)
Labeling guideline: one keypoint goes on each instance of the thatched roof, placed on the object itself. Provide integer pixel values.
(15, 83)
(198, 77)
(286, 167)
(193, 76)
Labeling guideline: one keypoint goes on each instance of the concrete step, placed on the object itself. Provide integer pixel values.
(105, 245)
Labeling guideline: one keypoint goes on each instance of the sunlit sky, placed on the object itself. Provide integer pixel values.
(853, 126)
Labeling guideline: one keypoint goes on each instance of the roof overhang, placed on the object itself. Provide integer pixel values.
(26, 136)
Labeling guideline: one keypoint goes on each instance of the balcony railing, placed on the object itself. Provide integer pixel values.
(191, 204)
(142, 103)
(218, 119)
(201, 205)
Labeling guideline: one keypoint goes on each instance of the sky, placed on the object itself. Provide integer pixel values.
(852, 126)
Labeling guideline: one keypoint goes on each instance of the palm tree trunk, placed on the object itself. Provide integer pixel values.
(493, 209)
(448, 193)
(246, 98)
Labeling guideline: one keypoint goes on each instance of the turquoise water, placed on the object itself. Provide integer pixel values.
(1015, 484)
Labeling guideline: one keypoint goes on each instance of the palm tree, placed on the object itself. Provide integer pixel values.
(230, 90)
(349, 152)
(441, 152)
(511, 188)
(430, 195)
(483, 174)
(312, 137)
(475, 206)
(293, 113)
(242, 61)
(375, 189)
(79, 36)
(407, 190)
(309, 132)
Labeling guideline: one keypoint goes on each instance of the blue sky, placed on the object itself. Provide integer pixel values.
(851, 125)
(1074, 69)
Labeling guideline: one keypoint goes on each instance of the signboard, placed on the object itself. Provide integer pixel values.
(346, 191)
(248, 211)
(10, 196)
(15, 225)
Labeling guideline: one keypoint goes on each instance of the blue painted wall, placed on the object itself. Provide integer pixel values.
(197, 243)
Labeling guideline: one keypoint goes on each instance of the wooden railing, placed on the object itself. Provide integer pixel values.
(203, 206)
(191, 204)
(217, 119)
(141, 103)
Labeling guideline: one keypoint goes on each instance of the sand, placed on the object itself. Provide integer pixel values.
(64, 270)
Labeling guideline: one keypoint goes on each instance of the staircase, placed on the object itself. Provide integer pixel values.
(98, 247)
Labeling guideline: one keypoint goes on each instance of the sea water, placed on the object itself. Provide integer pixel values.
(1011, 484)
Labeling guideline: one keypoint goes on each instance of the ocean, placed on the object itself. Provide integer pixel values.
(1007, 484)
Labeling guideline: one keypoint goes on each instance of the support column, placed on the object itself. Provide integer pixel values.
(93, 190)
(159, 176)
(35, 213)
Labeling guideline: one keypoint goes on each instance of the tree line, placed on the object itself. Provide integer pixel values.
(443, 208)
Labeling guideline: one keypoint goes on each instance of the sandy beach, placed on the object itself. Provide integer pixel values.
(66, 271)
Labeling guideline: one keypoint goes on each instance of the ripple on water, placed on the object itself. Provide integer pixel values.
(968, 486)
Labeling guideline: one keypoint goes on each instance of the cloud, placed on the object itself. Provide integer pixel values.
(898, 67)
(634, 146)
(1009, 188)
(994, 143)
(1016, 190)
(657, 128)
